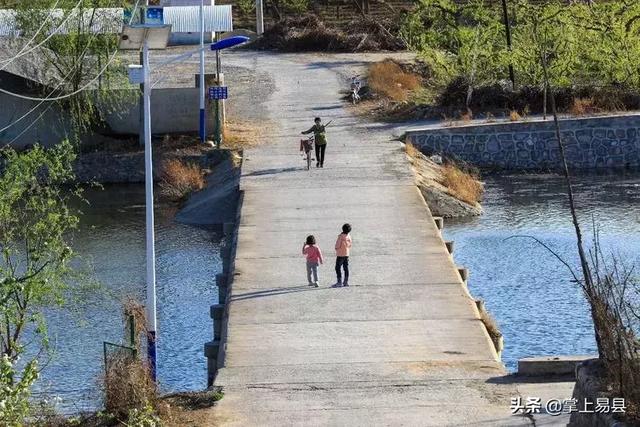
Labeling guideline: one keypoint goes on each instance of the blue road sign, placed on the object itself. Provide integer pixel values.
(218, 92)
(154, 15)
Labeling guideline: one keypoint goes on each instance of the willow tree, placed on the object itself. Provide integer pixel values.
(76, 53)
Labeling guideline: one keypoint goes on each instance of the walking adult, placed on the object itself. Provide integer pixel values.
(320, 140)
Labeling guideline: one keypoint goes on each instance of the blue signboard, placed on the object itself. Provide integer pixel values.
(154, 15)
(218, 92)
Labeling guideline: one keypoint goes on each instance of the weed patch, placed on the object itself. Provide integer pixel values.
(388, 79)
(179, 179)
(463, 185)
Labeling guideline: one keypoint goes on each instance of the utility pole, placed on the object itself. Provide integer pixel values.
(218, 102)
(203, 126)
(507, 30)
(141, 98)
(259, 18)
(150, 240)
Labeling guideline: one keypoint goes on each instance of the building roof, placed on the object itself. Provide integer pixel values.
(184, 19)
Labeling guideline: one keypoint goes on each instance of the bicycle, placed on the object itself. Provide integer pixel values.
(306, 145)
(355, 89)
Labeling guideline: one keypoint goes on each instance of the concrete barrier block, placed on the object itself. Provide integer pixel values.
(222, 294)
(550, 365)
(211, 349)
(464, 273)
(217, 311)
(449, 245)
(228, 228)
(439, 222)
(221, 280)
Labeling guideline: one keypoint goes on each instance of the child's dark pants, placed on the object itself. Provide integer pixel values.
(342, 262)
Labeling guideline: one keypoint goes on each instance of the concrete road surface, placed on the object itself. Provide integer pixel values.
(403, 345)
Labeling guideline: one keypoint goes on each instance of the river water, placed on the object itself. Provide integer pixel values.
(528, 291)
(111, 241)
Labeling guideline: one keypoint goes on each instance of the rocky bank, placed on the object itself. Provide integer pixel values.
(442, 200)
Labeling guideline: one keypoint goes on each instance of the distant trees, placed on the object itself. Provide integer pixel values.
(596, 44)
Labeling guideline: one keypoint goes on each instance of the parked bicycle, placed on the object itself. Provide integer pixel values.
(306, 146)
(356, 85)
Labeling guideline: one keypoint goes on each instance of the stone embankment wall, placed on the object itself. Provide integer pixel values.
(589, 386)
(128, 167)
(590, 143)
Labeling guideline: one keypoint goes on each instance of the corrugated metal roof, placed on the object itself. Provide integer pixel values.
(186, 19)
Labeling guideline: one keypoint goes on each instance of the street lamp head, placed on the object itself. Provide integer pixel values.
(229, 42)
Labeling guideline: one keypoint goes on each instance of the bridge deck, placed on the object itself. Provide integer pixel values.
(402, 345)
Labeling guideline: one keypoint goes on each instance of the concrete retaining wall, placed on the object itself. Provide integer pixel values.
(173, 110)
(591, 143)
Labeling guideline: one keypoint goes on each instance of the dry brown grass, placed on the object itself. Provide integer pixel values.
(584, 107)
(463, 185)
(387, 78)
(514, 116)
(467, 116)
(179, 179)
(241, 135)
(127, 385)
(411, 150)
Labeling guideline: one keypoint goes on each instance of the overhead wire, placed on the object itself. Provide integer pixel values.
(46, 39)
(49, 98)
(54, 90)
(37, 33)
(69, 95)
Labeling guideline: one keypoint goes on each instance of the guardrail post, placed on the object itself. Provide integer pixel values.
(216, 312)
(449, 245)
(221, 282)
(211, 351)
(439, 222)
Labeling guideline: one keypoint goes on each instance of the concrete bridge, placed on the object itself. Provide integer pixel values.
(403, 345)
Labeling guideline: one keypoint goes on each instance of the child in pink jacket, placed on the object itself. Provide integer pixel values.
(314, 259)
(343, 246)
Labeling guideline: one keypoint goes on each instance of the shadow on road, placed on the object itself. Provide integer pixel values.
(271, 292)
(272, 171)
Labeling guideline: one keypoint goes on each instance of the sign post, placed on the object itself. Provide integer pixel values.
(218, 93)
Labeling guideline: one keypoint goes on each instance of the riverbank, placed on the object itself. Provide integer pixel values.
(603, 142)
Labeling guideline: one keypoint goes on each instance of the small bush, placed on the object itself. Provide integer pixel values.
(461, 184)
(387, 78)
(180, 179)
(127, 386)
(514, 116)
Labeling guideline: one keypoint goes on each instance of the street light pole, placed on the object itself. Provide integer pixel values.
(203, 128)
(150, 240)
